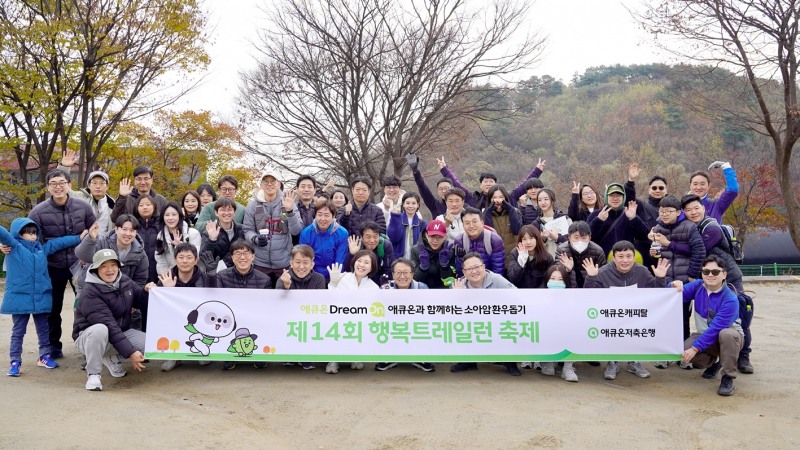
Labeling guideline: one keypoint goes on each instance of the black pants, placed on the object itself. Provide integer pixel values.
(59, 278)
(687, 314)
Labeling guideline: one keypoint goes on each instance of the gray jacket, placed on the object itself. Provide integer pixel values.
(638, 276)
(492, 281)
(134, 264)
(260, 214)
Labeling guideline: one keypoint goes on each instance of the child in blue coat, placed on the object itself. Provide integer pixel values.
(28, 288)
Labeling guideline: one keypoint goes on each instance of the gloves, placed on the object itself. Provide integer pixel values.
(261, 240)
(335, 272)
(209, 262)
(719, 165)
(412, 160)
(522, 258)
(459, 251)
(424, 258)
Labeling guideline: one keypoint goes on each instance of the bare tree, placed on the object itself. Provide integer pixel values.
(756, 40)
(351, 86)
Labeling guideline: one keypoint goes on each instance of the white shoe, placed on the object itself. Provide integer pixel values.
(537, 366)
(568, 373)
(356, 366)
(611, 370)
(526, 365)
(332, 367)
(685, 366)
(548, 369)
(93, 383)
(170, 365)
(638, 369)
(661, 364)
(114, 366)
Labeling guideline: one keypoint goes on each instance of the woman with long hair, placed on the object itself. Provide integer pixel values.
(529, 260)
(174, 230)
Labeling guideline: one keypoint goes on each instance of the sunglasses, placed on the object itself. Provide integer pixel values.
(714, 272)
(658, 188)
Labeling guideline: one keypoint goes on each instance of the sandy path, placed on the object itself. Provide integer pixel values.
(280, 407)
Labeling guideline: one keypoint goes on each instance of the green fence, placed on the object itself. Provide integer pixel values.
(770, 270)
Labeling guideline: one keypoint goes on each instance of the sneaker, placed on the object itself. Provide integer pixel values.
(537, 366)
(13, 371)
(594, 363)
(356, 366)
(548, 369)
(170, 365)
(711, 372)
(685, 366)
(661, 364)
(425, 367)
(512, 369)
(288, 364)
(726, 386)
(47, 362)
(463, 367)
(93, 383)
(638, 369)
(385, 366)
(332, 367)
(309, 366)
(204, 362)
(568, 373)
(526, 365)
(56, 353)
(114, 366)
(228, 365)
(261, 365)
(744, 365)
(611, 370)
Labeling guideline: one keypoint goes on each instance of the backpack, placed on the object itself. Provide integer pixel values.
(729, 243)
(745, 307)
(487, 239)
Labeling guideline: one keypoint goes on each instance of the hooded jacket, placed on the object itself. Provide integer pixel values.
(616, 227)
(397, 232)
(262, 214)
(198, 279)
(71, 218)
(609, 276)
(313, 280)
(28, 288)
(329, 246)
(433, 267)
(135, 263)
(109, 304)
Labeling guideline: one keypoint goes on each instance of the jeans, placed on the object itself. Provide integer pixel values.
(18, 332)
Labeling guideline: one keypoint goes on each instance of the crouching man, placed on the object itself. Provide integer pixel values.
(719, 336)
(102, 329)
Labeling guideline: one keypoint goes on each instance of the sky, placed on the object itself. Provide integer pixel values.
(580, 33)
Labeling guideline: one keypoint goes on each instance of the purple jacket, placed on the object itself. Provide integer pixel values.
(495, 261)
(478, 199)
(716, 208)
(397, 231)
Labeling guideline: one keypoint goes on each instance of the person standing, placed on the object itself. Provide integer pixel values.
(95, 193)
(353, 216)
(228, 187)
(700, 184)
(143, 187)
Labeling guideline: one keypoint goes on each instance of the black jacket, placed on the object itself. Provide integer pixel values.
(198, 279)
(221, 248)
(433, 266)
(577, 276)
(531, 276)
(231, 278)
(69, 219)
(313, 280)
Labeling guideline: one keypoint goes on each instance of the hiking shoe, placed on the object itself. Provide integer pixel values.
(526, 365)
(744, 365)
(228, 365)
(47, 362)
(568, 373)
(114, 367)
(13, 371)
(512, 369)
(56, 353)
(309, 366)
(170, 365)
(332, 367)
(685, 366)
(726, 386)
(661, 364)
(425, 367)
(711, 372)
(385, 366)
(638, 369)
(204, 362)
(611, 370)
(548, 369)
(463, 367)
(260, 365)
(356, 366)
(93, 383)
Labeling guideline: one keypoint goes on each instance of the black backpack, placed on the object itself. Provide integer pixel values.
(729, 243)
(745, 307)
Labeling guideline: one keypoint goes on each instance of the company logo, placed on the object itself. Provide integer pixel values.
(377, 309)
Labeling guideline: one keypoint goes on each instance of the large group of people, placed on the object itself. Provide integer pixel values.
(312, 237)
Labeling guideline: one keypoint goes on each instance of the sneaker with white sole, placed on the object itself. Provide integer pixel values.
(611, 370)
(309, 366)
(114, 366)
(93, 383)
(685, 366)
(568, 373)
(536, 366)
(425, 367)
(46, 362)
(356, 366)
(548, 369)
(332, 367)
(13, 371)
(526, 365)
(170, 365)
(661, 364)
(637, 369)
(385, 366)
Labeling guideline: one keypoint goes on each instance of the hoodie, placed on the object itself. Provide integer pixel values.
(609, 276)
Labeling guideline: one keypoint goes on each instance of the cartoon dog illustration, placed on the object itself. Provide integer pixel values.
(209, 322)
(244, 343)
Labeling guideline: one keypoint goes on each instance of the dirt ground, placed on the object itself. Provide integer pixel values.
(404, 408)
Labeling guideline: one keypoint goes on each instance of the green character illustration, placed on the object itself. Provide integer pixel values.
(244, 343)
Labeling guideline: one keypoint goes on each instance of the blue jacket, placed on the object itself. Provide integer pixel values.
(28, 287)
(723, 305)
(716, 208)
(329, 246)
(397, 232)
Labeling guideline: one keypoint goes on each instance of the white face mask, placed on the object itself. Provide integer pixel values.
(579, 247)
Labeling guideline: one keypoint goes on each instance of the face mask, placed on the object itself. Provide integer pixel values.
(552, 284)
(579, 247)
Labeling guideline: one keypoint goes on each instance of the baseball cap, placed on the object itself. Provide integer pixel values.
(436, 228)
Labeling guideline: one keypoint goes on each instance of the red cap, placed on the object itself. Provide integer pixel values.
(437, 228)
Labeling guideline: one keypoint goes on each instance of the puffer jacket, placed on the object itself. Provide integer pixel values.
(126, 204)
(231, 278)
(198, 279)
(166, 259)
(313, 280)
(355, 220)
(435, 268)
(494, 260)
(109, 305)
(135, 263)
(529, 276)
(261, 214)
(715, 244)
(397, 232)
(507, 223)
(530, 212)
(69, 219)
(577, 277)
(28, 288)
(682, 266)
(330, 246)
(385, 255)
(610, 276)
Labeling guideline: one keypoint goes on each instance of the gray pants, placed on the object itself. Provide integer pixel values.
(727, 348)
(93, 343)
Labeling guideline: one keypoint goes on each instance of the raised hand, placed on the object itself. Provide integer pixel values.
(177, 239)
(286, 278)
(576, 187)
(335, 272)
(288, 200)
(633, 172)
(460, 283)
(166, 279)
(387, 203)
(566, 261)
(630, 210)
(412, 160)
(348, 208)
(69, 158)
(125, 188)
(716, 165)
(353, 244)
(590, 267)
(212, 229)
(660, 270)
(329, 185)
(441, 163)
(523, 200)
(603, 214)
(94, 230)
(541, 164)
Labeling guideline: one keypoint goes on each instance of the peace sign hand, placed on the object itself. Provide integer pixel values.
(441, 163)
(576, 187)
(603, 214)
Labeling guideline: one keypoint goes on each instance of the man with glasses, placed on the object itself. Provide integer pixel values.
(95, 193)
(647, 209)
(719, 337)
(227, 187)
(61, 215)
(436, 204)
(677, 241)
(143, 183)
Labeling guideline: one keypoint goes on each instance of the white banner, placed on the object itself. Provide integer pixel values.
(412, 326)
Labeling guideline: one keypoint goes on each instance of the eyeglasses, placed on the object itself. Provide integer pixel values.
(228, 189)
(714, 272)
(57, 184)
(403, 273)
(658, 188)
(241, 254)
(665, 212)
(142, 179)
(473, 268)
